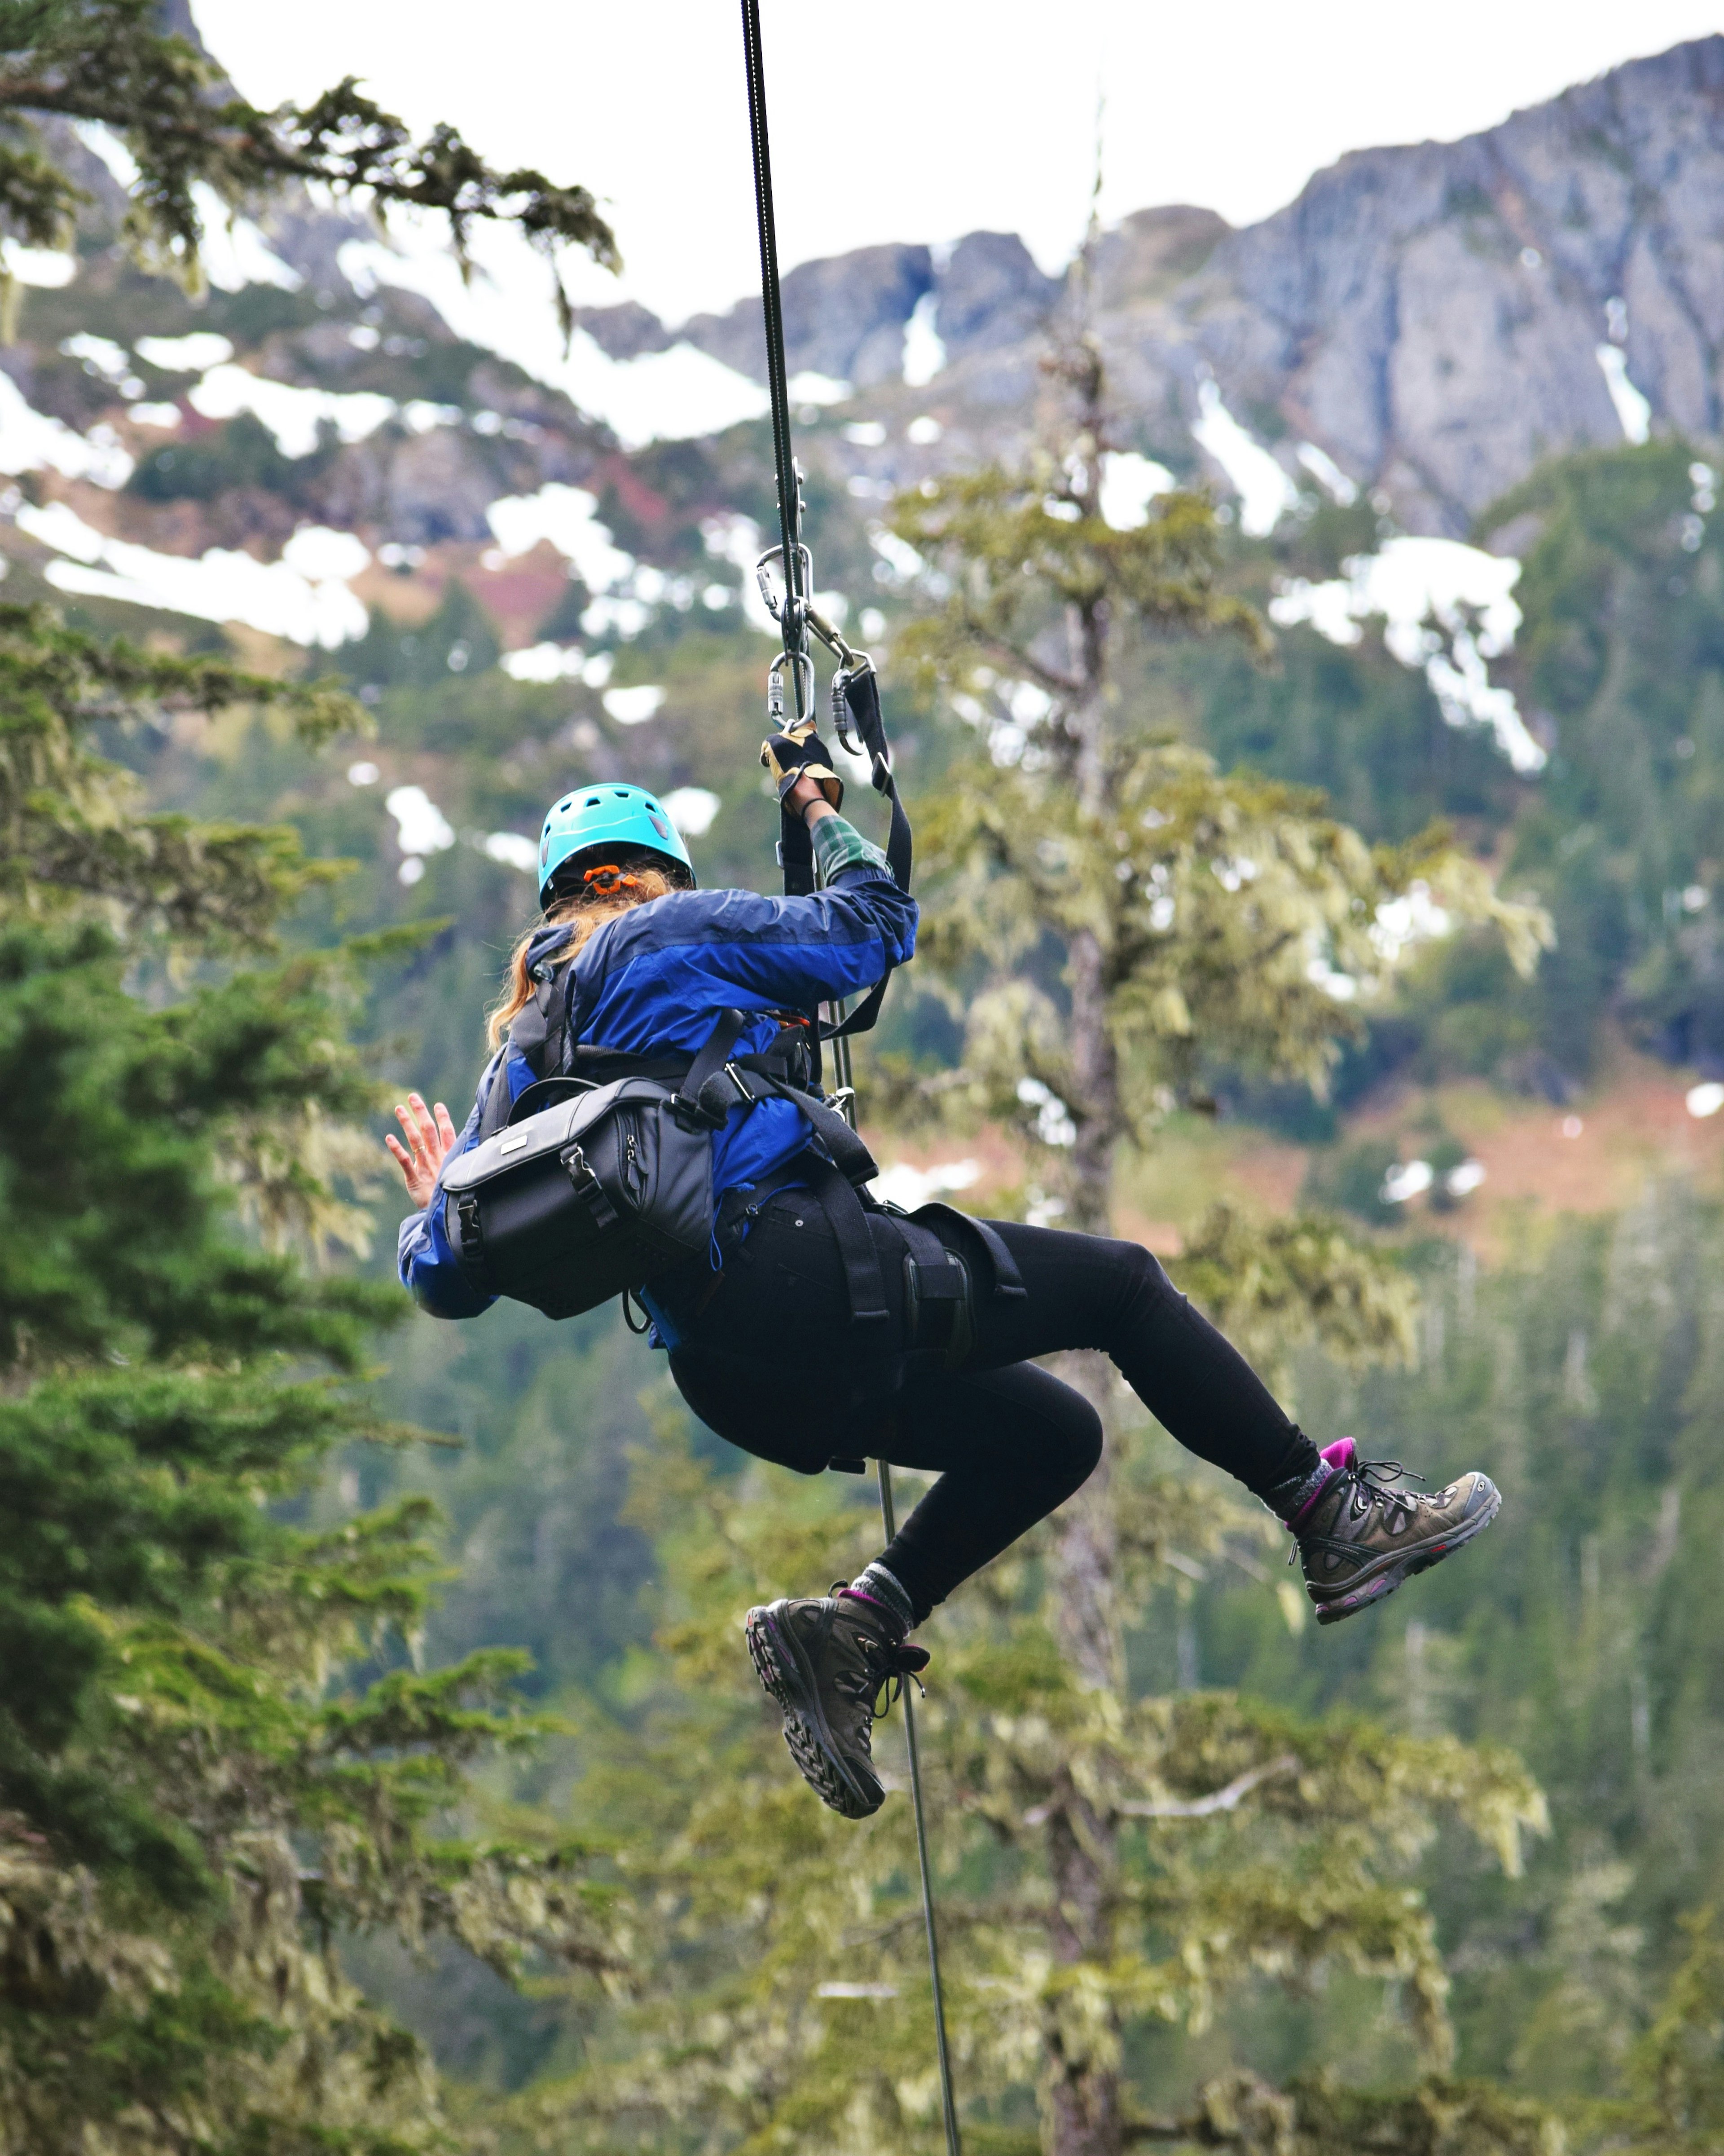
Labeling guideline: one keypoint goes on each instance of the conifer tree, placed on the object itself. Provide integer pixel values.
(110, 62)
(784, 1996)
(1202, 920)
(1107, 1857)
(216, 1752)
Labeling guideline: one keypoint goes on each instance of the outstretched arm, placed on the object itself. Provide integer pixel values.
(428, 1268)
(431, 1135)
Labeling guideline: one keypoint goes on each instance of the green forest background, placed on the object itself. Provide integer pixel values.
(1580, 1367)
(380, 1768)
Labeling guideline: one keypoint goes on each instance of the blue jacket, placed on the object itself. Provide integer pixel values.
(653, 981)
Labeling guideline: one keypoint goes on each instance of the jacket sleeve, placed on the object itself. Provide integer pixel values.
(429, 1269)
(650, 977)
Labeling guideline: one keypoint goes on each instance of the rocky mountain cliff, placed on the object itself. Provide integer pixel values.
(1435, 319)
(1423, 323)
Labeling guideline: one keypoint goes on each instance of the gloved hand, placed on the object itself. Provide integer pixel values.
(798, 753)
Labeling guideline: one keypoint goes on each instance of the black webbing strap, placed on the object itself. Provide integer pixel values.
(849, 1155)
(796, 854)
(842, 1207)
(1007, 1281)
(494, 1116)
(692, 1102)
(862, 695)
(530, 1028)
(938, 1319)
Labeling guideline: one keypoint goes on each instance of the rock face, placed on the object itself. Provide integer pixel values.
(991, 294)
(1435, 319)
(1431, 317)
(843, 317)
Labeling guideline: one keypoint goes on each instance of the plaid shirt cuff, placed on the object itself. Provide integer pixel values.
(839, 845)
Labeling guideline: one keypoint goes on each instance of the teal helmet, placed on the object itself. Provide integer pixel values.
(594, 823)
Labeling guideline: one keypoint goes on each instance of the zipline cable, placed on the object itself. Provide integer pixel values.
(793, 620)
(864, 708)
(946, 2105)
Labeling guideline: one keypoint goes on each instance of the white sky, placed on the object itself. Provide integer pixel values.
(921, 119)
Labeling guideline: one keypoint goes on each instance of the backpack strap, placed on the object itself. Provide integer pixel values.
(529, 1032)
(531, 1028)
(717, 1082)
(494, 1116)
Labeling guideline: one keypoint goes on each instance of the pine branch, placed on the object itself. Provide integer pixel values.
(106, 63)
(1218, 1800)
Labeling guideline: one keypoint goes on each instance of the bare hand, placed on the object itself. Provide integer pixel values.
(431, 1139)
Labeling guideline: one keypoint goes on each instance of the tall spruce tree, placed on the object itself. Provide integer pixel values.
(215, 1751)
(1198, 919)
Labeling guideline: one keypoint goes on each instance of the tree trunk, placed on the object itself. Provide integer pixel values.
(1096, 1086)
(1083, 2092)
(1083, 2085)
(1083, 2088)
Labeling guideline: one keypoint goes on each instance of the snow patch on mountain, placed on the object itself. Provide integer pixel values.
(234, 250)
(292, 415)
(557, 662)
(659, 396)
(1446, 610)
(1633, 408)
(303, 597)
(1264, 490)
(45, 266)
(192, 354)
(567, 516)
(1129, 484)
(30, 441)
(924, 349)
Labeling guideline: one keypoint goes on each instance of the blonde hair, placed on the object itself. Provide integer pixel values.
(584, 915)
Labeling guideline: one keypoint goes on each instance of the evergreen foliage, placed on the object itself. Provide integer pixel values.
(1196, 919)
(1619, 668)
(199, 1783)
(107, 62)
(1112, 1857)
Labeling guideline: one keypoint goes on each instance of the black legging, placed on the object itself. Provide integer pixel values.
(772, 1364)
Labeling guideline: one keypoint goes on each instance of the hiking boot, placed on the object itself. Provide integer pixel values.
(826, 1661)
(1359, 1537)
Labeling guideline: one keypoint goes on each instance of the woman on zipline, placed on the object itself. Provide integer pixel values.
(762, 1332)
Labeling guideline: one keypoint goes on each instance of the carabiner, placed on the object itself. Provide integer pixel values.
(856, 664)
(774, 605)
(804, 689)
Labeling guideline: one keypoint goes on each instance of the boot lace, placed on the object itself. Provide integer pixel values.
(885, 1665)
(1374, 1479)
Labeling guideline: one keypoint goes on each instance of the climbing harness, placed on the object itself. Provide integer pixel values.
(597, 1180)
(856, 718)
